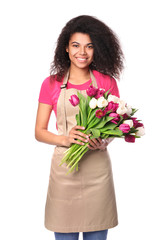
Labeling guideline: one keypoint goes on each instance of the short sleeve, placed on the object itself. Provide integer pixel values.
(114, 88)
(45, 92)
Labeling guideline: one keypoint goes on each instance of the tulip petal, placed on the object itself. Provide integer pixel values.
(130, 138)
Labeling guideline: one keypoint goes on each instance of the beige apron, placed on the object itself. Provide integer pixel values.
(83, 200)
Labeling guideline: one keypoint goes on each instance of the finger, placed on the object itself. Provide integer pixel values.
(79, 127)
(95, 142)
(92, 143)
(100, 140)
(77, 142)
(75, 128)
(78, 133)
(75, 137)
(92, 148)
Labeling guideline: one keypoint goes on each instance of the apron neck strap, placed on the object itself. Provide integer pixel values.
(64, 85)
(94, 82)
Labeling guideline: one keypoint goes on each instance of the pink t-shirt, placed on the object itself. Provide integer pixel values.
(50, 92)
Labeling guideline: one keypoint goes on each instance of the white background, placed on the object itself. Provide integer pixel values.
(29, 30)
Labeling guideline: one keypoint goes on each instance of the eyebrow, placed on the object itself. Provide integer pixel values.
(79, 43)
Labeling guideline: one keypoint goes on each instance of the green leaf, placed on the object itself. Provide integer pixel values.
(84, 115)
(94, 122)
(95, 132)
(83, 110)
(88, 99)
(108, 118)
(134, 110)
(88, 131)
(105, 136)
(80, 96)
(137, 136)
(115, 132)
(91, 83)
(87, 103)
(102, 123)
(109, 126)
(78, 119)
(92, 115)
(106, 94)
(133, 130)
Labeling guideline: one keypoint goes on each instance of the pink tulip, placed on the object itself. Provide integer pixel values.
(99, 113)
(116, 117)
(112, 106)
(130, 138)
(91, 91)
(74, 100)
(125, 128)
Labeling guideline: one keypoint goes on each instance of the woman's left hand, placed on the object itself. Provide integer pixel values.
(98, 143)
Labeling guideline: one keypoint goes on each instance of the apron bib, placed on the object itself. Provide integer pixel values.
(83, 200)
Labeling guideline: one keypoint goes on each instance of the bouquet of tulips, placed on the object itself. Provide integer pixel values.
(103, 115)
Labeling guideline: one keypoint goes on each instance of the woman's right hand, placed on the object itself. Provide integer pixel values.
(75, 135)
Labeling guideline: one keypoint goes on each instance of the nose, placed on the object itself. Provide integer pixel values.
(82, 50)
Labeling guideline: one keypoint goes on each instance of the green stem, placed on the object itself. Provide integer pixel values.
(68, 152)
(79, 149)
(72, 151)
(75, 164)
(79, 154)
(89, 114)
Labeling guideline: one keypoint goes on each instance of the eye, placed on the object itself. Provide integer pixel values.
(90, 46)
(75, 45)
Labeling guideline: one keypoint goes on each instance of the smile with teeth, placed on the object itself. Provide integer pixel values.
(81, 59)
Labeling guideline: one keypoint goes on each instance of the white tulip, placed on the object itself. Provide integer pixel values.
(122, 103)
(102, 102)
(129, 122)
(140, 132)
(121, 110)
(129, 110)
(93, 103)
(113, 98)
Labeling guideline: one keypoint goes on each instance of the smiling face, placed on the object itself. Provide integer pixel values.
(80, 50)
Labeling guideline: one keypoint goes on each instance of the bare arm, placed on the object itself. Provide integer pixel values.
(43, 135)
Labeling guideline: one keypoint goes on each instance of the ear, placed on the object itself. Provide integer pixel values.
(67, 49)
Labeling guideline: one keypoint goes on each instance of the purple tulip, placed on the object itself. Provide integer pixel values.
(130, 138)
(125, 116)
(116, 117)
(91, 91)
(99, 93)
(74, 100)
(136, 123)
(125, 128)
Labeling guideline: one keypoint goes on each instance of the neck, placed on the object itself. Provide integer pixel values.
(79, 74)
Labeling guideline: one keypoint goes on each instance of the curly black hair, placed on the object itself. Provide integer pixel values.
(108, 55)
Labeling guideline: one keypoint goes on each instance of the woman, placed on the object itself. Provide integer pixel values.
(84, 201)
